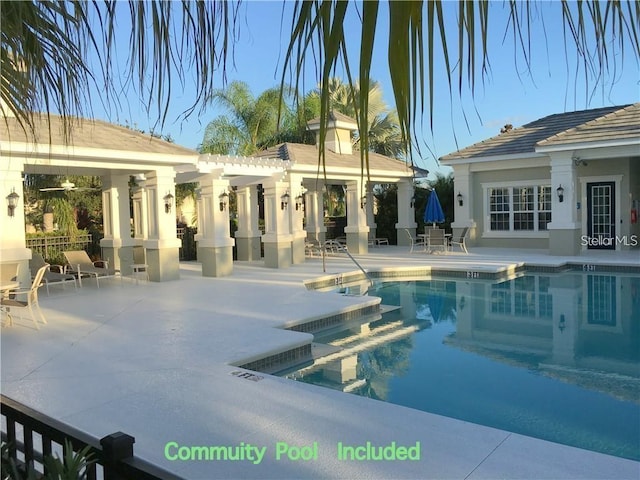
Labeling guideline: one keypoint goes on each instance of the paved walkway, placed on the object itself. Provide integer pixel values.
(154, 360)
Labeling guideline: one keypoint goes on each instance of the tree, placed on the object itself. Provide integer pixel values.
(251, 121)
(48, 49)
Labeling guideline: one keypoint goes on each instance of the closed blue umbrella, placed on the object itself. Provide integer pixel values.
(433, 213)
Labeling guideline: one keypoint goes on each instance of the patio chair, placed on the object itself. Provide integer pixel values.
(334, 246)
(460, 240)
(10, 300)
(415, 242)
(311, 249)
(50, 277)
(436, 240)
(81, 266)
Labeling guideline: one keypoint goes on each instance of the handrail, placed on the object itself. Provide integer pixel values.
(346, 250)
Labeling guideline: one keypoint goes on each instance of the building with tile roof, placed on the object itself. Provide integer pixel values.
(290, 180)
(568, 182)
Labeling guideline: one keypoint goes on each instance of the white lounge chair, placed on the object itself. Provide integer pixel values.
(415, 242)
(10, 299)
(50, 277)
(81, 266)
(460, 240)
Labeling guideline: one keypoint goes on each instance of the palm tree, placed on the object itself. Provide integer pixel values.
(48, 49)
(251, 121)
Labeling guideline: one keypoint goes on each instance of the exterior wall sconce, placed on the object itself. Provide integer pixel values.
(224, 200)
(168, 202)
(560, 192)
(363, 202)
(460, 199)
(562, 323)
(577, 161)
(412, 202)
(12, 202)
(299, 202)
(284, 201)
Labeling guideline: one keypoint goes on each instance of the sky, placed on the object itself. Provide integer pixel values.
(507, 93)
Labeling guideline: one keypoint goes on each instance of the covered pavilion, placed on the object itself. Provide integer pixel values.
(290, 177)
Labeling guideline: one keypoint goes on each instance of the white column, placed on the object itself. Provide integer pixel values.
(277, 237)
(564, 228)
(296, 217)
(463, 214)
(314, 213)
(140, 224)
(356, 230)
(162, 244)
(248, 233)
(406, 212)
(117, 244)
(369, 212)
(215, 245)
(14, 254)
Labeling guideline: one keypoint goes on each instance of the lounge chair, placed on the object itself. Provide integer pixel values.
(9, 300)
(436, 240)
(50, 277)
(460, 240)
(334, 246)
(81, 266)
(415, 242)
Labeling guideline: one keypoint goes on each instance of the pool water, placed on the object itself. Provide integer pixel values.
(555, 357)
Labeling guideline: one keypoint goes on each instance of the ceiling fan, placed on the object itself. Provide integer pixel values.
(66, 186)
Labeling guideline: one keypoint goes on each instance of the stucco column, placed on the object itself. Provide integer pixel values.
(369, 212)
(117, 244)
(277, 237)
(14, 254)
(248, 233)
(296, 217)
(564, 228)
(215, 245)
(314, 212)
(140, 224)
(463, 214)
(356, 230)
(406, 212)
(162, 244)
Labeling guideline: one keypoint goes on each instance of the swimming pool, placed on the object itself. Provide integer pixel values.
(554, 356)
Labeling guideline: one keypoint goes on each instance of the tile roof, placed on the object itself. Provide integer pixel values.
(88, 134)
(623, 123)
(593, 125)
(302, 154)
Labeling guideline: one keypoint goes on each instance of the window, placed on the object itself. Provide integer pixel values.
(525, 208)
(523, 297)
(499, 208)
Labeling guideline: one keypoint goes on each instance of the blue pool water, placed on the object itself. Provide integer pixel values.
(555, 357)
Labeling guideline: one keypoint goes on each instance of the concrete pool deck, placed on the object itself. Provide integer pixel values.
(155, 360)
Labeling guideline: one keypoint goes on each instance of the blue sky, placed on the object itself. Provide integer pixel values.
(508, 93)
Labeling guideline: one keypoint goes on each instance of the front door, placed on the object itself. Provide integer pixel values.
(601, 215)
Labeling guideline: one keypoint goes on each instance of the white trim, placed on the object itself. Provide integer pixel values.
(585, 145)
(517, 183)
(498, 158)
(488, 233)
(617, 179)
(515, 234)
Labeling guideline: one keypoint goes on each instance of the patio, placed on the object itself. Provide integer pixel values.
(154, 360)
